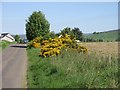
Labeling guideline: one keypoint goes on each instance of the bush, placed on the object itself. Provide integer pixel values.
(52, 47)
(35, 42)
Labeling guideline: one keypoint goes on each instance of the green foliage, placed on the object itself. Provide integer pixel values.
(94, 32)
(30, 44)
(66, 30)
(17, 38)
(78, 34)
(75, 32)
(49, 35)
(4, 44)
(92, 40)
(58, 34)
(21, 41)
(71, 70)
(37, 25)
(52, 34)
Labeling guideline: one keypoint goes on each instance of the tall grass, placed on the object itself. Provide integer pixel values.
(71, 70)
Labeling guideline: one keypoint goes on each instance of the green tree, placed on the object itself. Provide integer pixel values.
(52, 34)
(37, 25)
(66, 30)
(78, 34)
(21, 41)
(58, 34)
(17, 38)
(49, 35)
(94, 32)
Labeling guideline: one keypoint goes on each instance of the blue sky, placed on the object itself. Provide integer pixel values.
(88, 16)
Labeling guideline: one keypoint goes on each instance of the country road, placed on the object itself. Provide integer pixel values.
(14, 66)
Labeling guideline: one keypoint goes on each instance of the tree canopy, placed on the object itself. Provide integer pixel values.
(77, 33)
(37, 25)
(73, 32)
(66, 30)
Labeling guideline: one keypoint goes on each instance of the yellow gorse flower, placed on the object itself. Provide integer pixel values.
(35, 42)
(52, 47)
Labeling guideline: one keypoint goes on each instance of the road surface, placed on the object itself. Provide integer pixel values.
(14, 66)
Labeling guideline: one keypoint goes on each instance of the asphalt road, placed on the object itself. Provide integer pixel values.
(14, 66)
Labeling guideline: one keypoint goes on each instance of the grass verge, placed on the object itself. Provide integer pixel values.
(71, 70)
(4, 44)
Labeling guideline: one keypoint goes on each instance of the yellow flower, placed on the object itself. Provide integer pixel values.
(53, 47)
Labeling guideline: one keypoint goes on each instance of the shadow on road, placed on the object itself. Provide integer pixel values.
(19, 46)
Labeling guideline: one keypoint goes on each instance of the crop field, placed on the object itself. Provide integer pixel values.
(96, 69)
(102, 48)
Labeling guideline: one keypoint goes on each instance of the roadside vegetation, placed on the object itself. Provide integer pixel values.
(4, 44)
(72, 70)
(59, 61)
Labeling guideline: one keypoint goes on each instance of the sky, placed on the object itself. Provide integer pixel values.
(60, 0)
(88, 16)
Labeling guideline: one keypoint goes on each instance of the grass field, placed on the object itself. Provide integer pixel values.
(106, 36)
(96, 69)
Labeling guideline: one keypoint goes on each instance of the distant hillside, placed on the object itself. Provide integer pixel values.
(111, 35)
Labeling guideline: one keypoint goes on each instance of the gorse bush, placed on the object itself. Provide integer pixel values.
(52, 47)
(35, 42)
(36, 45)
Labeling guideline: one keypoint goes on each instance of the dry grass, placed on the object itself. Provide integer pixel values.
(102, 48)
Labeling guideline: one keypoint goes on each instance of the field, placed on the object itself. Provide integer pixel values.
(102, 48)
(96, 69)
(106, 36)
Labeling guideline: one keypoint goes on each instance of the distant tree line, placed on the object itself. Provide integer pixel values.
(98, 32)
(92, 40)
